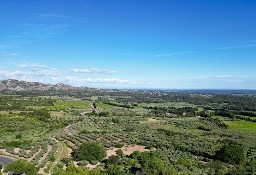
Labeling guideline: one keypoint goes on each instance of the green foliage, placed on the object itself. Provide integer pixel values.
(115, 170)
(113, 159)
(21, 166)
(52, 158)
(83, 163)
(231, 152)
(119, 152)
(218, 167)
(17, 143)
(119, 145)
(41, 114)
(150, 162)
(183, 143)
(18, 136)
(72, 170)
(90, 151)
(104, 114)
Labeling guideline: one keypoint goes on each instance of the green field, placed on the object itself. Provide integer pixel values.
(66, 105)
(104, 106)
(241, 125)
(168, 104)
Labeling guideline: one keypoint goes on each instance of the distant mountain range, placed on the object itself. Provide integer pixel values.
(17, 85)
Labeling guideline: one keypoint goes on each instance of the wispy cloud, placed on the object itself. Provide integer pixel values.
(13, 54)
(44, 26)
(127, 54)
(172, 54)
(241, 46)
(29, 75)
(32, 65)
(221, 81)
(75, 79)
(5, 46)
(61, 18)
(45, 74)
(94, 71)
(9, 55)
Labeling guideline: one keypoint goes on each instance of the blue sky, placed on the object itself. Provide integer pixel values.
(169, 44)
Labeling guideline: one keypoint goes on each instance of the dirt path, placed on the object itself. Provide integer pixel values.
(49, 148)
(59, 153)
(41, 170)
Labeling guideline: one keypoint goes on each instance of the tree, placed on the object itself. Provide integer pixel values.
(115, 170)
(72, 170)
(231, 152)
(114, 159)
(150, 162)
(120, 153)
(21, 166)
(90, 151)
(218, 167)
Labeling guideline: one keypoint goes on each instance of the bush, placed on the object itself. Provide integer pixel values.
(21, 166)
(90, 151)
(113, 159)
(119, 145)
(219, 167)
(83, 163)
(18, 136)
(231, 152)
(52, 158)
(119, 152)
(104, 114)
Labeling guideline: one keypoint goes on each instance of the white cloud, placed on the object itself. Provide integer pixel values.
(45, 76)
(172, 54)
(41, 73)
(127, 54)
(243, 81)
(94, 71)
(32, 65)
(242, 46)
(13, 54)
(74, 79)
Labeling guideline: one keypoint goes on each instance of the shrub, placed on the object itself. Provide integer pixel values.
(119, 152)
(90, 151)
(93, 162)
(83, 163)
(52, 158)
(231, 152)
(21, 166)
(18, 136)
(119, 145)
(113, 159)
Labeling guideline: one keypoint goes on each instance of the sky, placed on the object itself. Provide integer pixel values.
(165, 44)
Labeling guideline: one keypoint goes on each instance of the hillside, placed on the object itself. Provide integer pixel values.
(16, 85)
